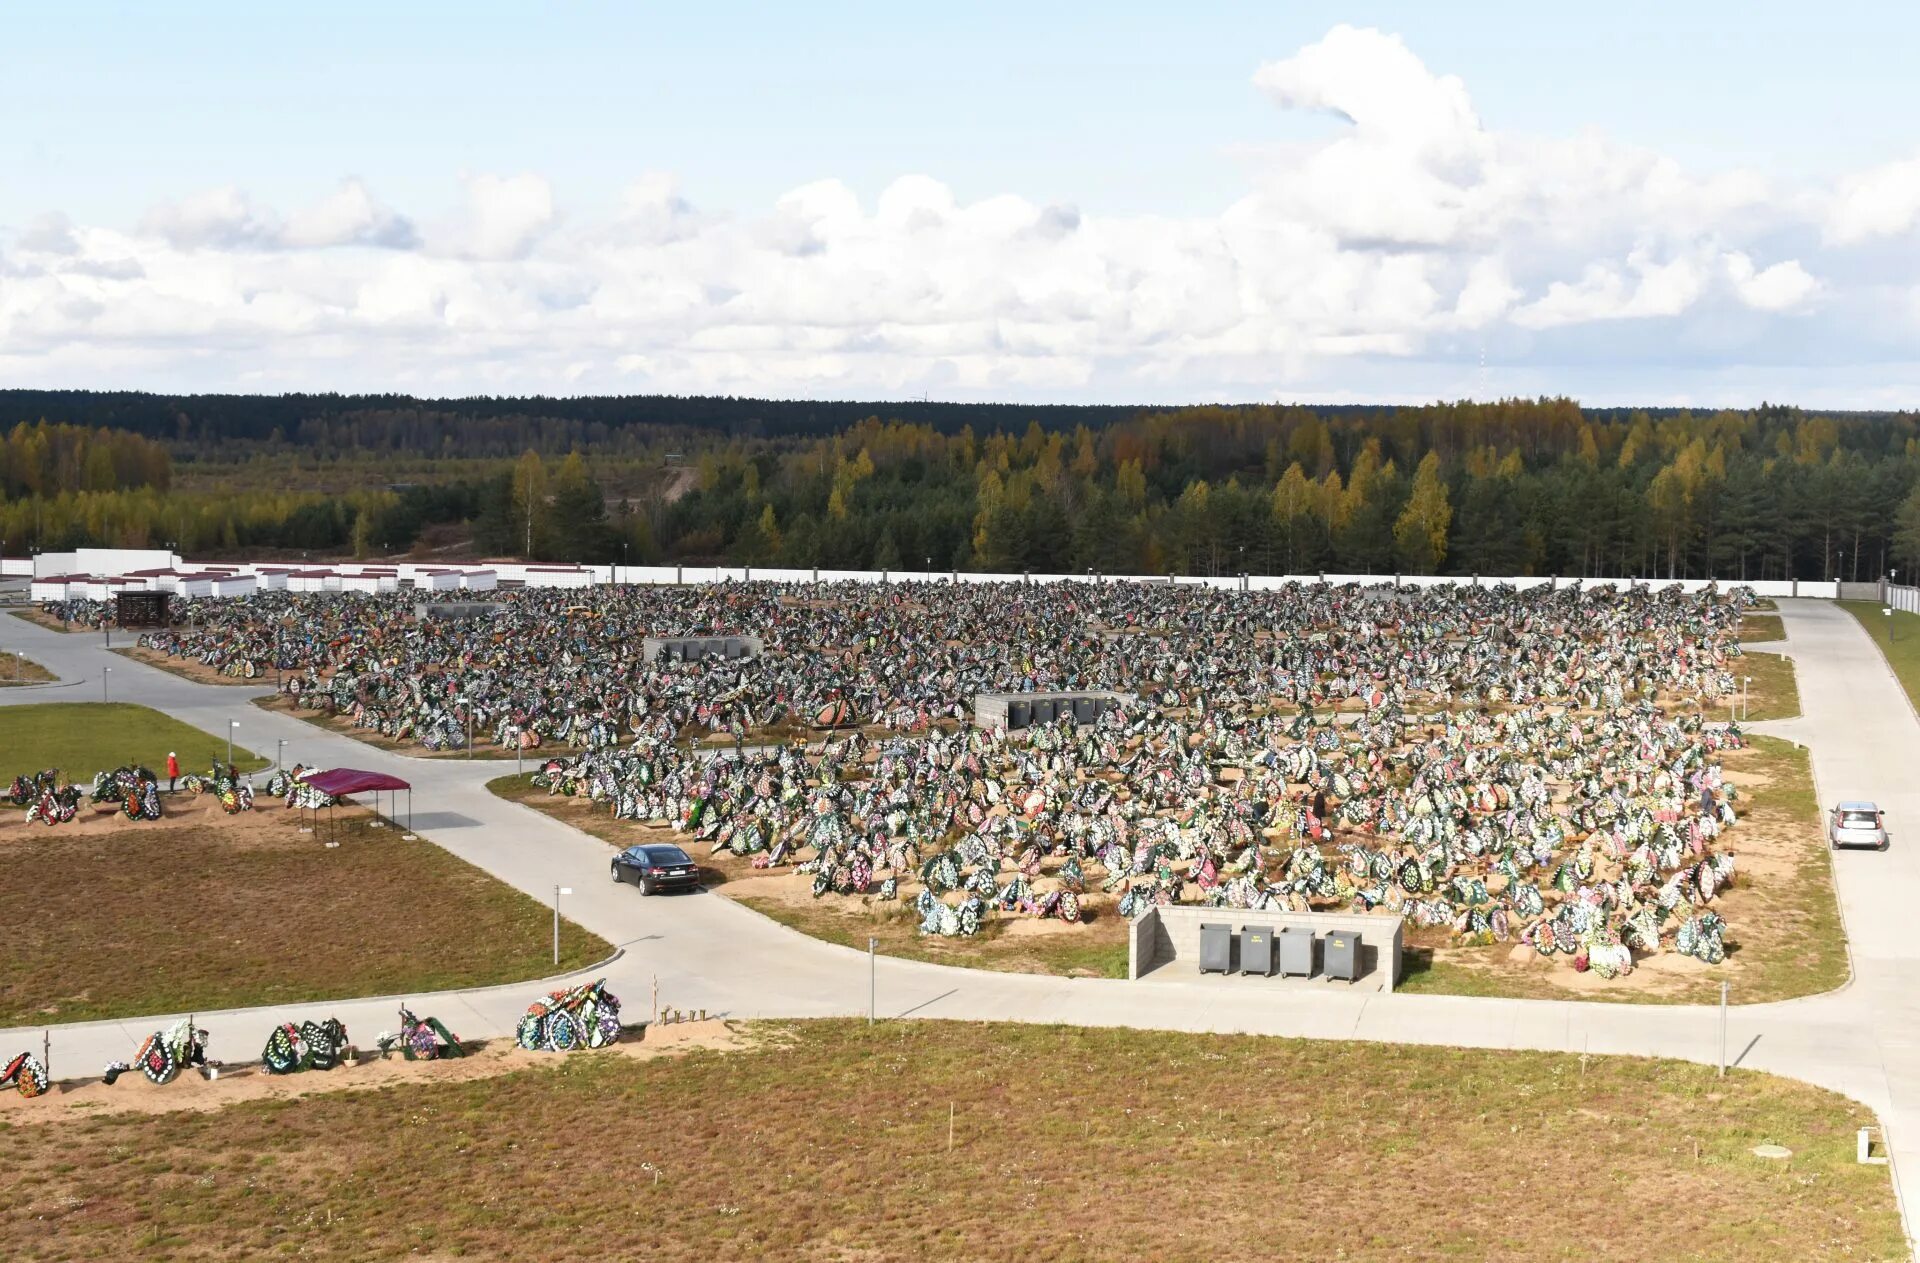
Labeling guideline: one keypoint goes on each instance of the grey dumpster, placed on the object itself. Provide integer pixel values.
(1044, 709)
(1085, 710)
(1343, 955)
(1019, 715)
(1256, 950)
(1296, 952)
(1216, 949)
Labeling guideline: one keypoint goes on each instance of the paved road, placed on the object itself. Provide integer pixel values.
(706, 952)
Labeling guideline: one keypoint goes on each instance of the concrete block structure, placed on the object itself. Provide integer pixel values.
(683, 647)
(456, 611)
(1010, 712)
(1167, 941)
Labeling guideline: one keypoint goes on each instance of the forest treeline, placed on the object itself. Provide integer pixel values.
(1514, 487)
(1510, 487)
(502, 426)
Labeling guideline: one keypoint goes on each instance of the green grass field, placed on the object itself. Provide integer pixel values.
(1898, 636)
(81, 738)
(950, 1141)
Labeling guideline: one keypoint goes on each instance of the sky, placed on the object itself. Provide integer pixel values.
(1055, 203)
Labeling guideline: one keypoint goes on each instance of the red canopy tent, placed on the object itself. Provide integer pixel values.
(341, 782)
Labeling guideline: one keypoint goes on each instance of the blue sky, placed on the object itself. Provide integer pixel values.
(121, 121)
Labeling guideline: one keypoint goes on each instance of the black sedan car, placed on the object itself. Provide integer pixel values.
(654, 868)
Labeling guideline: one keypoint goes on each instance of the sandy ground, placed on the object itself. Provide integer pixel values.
(179, 811)
(132, 1094)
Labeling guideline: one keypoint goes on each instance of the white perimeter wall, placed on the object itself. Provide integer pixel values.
(483, 576)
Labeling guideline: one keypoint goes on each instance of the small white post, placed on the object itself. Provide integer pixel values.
(557, 892)
(873, 978)
(1723, 1030)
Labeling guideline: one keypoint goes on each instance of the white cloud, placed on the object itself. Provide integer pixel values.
(1781, 287)
(1882, 202)
(504, 217)
(1352, 265)
(349, 216)
(220, 219)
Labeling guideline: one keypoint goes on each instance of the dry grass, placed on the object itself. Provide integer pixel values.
(1775, 692)
(207, 911)
(16, 670)
(829, 1141)
(40, 618)
(1096, 948)
(1784, 934)
(1762, 627)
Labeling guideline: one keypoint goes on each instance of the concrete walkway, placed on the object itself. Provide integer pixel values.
(706, 952)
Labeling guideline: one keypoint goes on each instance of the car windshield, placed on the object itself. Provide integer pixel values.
(1857, 820)
(667, 855)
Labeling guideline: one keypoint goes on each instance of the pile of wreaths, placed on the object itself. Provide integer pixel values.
(136, 791)
(25, 1073)
(55, 806)
(420, 1039)
(586, 1016)
(164, 1054)
(304, 1046)
(26, 789)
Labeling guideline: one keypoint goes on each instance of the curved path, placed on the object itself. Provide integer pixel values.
(707, 952)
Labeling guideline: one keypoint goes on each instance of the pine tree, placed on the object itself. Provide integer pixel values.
(1420, 533)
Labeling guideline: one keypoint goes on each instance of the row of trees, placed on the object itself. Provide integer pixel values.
(43, 459)
(1512, 488)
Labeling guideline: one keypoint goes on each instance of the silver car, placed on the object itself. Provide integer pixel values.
(1857, 824)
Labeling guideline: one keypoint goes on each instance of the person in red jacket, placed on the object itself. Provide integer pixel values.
(173, 770)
